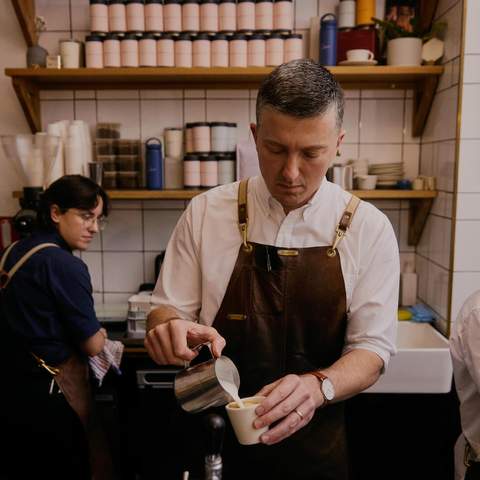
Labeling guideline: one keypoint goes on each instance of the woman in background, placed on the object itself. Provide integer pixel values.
(49, 329)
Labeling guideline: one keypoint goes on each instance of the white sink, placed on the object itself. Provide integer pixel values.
(422, 363)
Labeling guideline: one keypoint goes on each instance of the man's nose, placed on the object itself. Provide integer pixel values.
(291, 168)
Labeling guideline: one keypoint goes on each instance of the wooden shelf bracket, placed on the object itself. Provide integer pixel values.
(417, 218)
(25, 11)
(422, 102)
(29, 97)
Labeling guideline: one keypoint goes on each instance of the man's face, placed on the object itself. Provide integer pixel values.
(295, 153)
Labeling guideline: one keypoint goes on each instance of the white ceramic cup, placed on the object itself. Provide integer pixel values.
(242, 420)
(359, 55)
(367, 182)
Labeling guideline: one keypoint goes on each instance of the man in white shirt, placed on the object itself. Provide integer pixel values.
(291, 277)
(465, 351)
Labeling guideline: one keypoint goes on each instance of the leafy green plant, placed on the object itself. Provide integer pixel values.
(390, 30)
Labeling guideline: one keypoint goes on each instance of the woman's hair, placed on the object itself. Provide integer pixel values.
(70, 191)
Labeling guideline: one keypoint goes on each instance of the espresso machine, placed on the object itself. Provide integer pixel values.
(33, 158)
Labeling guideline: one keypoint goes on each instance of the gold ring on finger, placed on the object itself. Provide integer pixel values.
(299, 413)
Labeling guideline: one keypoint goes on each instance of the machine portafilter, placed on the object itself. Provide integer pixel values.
(215, 426)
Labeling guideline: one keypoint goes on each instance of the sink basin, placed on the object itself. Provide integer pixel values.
(422, 363)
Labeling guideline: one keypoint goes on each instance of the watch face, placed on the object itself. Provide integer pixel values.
(328, 389)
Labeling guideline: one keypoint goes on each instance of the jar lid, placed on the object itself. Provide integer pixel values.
(190, 157)
(189, 125)
(202, 36)
(166, 36)
(93, 38)
(135, 1)
(174, 128)
(282, 32)
(155, 33)
(219, 36)
(208, 157)
(191, 1)
(208, 1)
(173, 33)
(183, 36)
(238, 36)
(173, 2)
(219, 124)
(99, 34)
(228, 1)
(294, 35)
(147, 36)
(256, 36)
(99, 2)
(228, 33)
(131, 36)
(111, 2)
(200, 124)
(278, 1)
(221, 155)
(232, 124)
(275, 34)
(153, 1)
(245, 32)
(263, 1)
(245, 1)
(112, 36)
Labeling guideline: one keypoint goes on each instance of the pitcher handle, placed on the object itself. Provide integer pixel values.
(196, 348)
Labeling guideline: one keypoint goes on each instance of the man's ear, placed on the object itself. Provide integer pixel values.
(340, 138)
(55, 213)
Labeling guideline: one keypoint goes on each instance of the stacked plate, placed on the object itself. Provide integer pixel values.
(388, 174)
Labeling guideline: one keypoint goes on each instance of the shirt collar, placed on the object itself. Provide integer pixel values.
(51, 236)
(269, 204)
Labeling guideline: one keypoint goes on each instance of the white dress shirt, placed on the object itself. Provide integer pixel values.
(204, 246)
(465, 350)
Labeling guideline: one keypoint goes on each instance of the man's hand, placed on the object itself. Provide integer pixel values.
(286, 397)
(171, 343)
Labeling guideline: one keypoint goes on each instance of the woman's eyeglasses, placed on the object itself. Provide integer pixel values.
(89, 219)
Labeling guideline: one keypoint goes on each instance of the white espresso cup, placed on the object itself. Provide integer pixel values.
(242, 420)
(359, 55)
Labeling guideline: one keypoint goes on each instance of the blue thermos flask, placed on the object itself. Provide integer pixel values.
(328, 39)
(154, 163)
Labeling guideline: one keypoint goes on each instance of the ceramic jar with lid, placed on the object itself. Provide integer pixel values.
(189, 138)
(256, 50)
(129, 50)
(99, 16)
(117, 16)
(135, 10)
(94, 51)
(201, 137)
(219, 49)
(191, 15)
(147, 50)
(191, 171)
(246, 15)
(264, 15)
(219, 136)
(226, 168)
(227, 15)
(293, 47)
(183, 50)
(283, 15)
(165, 50)
(201, 50)
(208, 171)
(111, 51)
(238, 50)
(209, 15)
(274, 50)
(153, 15)
(172, 15)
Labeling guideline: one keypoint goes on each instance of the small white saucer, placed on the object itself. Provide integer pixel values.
(357, 62)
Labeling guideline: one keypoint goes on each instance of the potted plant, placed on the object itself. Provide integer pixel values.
(404, 45)
(37, 55)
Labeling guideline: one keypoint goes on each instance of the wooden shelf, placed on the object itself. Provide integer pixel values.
(28, 82)
(420, 202)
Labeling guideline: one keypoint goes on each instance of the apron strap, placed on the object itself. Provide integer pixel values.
(5, 254)
(7, 276)
(344, 224)
(243, 214)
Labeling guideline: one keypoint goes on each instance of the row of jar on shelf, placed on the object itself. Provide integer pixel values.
(255, 49)
(190, 15)
(194, 171)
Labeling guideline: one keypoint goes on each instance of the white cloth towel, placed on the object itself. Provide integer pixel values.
(110, 356)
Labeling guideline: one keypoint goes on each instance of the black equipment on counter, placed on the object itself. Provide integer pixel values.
(215, 426)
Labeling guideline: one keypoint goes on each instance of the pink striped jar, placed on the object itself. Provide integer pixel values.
(147, 50)
(172, 15)
(135, 10)
(99, 16)
(191, 15)
(274, 49)
(283, 15)
(117, 16)
(191, 171)
(201, 46)
(209, 15)
(166, 50)
(227, 15)
(154, 15)
(111, 51)
(264, 15)
(246, 15)
(219, 50)
(129, 50)
(256, 50)
(208, 171)
(94, 51)
(183, 50)
(293, 47)
(238, 50)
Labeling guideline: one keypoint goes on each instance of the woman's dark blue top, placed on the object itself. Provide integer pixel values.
(49, 300)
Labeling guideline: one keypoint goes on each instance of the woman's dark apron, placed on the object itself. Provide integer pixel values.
(284, 312)
(71, 379)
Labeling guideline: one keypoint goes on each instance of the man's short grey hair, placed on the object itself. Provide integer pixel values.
(301, 88)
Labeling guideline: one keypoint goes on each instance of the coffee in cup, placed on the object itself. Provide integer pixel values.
(359, 55)
(242, 419)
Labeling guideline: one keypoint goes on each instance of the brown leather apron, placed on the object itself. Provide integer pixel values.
(284, 311)
(72, 379)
